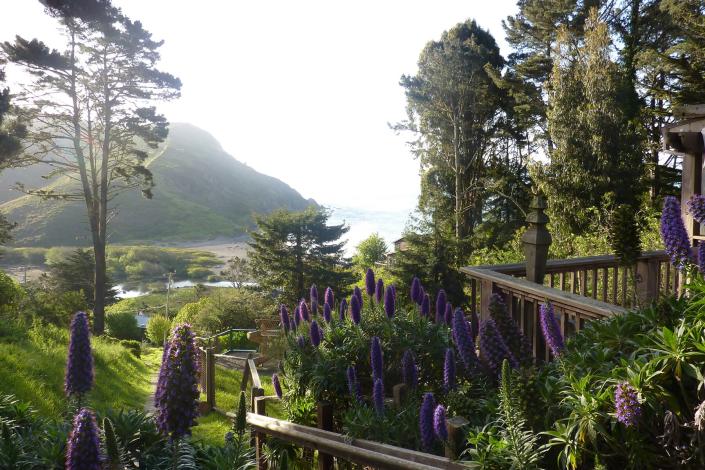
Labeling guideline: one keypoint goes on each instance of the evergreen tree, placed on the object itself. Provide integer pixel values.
(92, 105)
(75, 274)
(292, 250)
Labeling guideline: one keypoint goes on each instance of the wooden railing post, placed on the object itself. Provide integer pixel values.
(399, 393)
(260, 409)
(210, 378)
(647, 288)
(325, 422)
(456, 427)
(255, 393)
(536, 240)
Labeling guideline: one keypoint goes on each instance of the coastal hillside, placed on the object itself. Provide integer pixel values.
(201, 193)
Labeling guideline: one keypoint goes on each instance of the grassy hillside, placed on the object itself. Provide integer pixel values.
(201, 193)
(32, 363)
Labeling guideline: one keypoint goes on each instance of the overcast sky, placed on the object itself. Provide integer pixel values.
(300, 90)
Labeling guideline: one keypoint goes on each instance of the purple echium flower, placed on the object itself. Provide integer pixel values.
(449, 371)
(696, 207)
(421, 296)
(176, 398)
(378, 396)
(326, 313)
(303, 310)
(416, 290)
(301, 341)
(277, 385)
(463, 340)
(313, 293)
(439, 423)
(353, 384)
(284, 317)
(370, 282)
(343, 309)
(355, 309)
(425, 306)
(626, 404)
(550, 329)
(493, 348)
(449, 314)
(315, 333)
(79, 362)
(673, 233)
(426, 421)
(701, 257)
(389, 302)
(409, 370)
(512, 335)
(441, 306)
(376, 358)
(379, 290)
(83, 446)
(358, 293)
(297, 317)
(329, 297)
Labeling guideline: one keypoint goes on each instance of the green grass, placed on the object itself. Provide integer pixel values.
(213, 426)
(32, 366)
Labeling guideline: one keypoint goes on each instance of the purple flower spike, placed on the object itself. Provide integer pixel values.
(421, 296)
(627, 406)
(426, 421)
(329, 297)
(355, 309)
(79, 363)
(83, 446)
(284, 317)
(379, 290)
(378, 396)
(277, 386)
(313, 293)
(439, 423)
(176, 412)
(300, 341)
(358, 293)
(297, 317)
(701, 257)
(303, 309)
(353, 384)
(343, 309)
(389, 302)
(409, 370)
(696, 207)
(474, 326)
(551, 330)
(449, 314)
(370, 282)
(463, 340)
(449, 371)
(493, 348)
(674, 235)
(376, 358)
(441, 300)
(416, 295)
(315, 333)
(326, 313)
(425, 306)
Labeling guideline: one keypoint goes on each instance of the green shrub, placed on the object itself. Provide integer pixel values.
(135, 347)
(158, 328)
(122, 325)
(204, 316)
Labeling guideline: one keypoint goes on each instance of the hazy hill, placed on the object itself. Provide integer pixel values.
(201, 193)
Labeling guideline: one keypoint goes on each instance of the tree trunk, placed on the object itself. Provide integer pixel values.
(458, 185)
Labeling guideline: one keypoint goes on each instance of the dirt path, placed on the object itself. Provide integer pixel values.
(149, 404)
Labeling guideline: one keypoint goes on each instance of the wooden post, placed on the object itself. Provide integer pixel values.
(647, 288)
(260, 409)
(255, 393)
(536, 240)
(456, 436)
(486, 291)
(399, 392)
(325, 422)
(210, 378)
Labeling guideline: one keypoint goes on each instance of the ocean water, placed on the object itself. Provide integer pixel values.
(363, 223)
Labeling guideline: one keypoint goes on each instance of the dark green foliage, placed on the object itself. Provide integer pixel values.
(112, 451)
(75, 274)
(240, 422)
(624, 234)
(292, 250)
(135, 347)
(122, 325)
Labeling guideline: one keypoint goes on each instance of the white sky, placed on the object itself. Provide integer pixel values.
(300, 90)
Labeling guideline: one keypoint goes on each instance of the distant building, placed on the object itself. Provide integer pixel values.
(399, 245)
